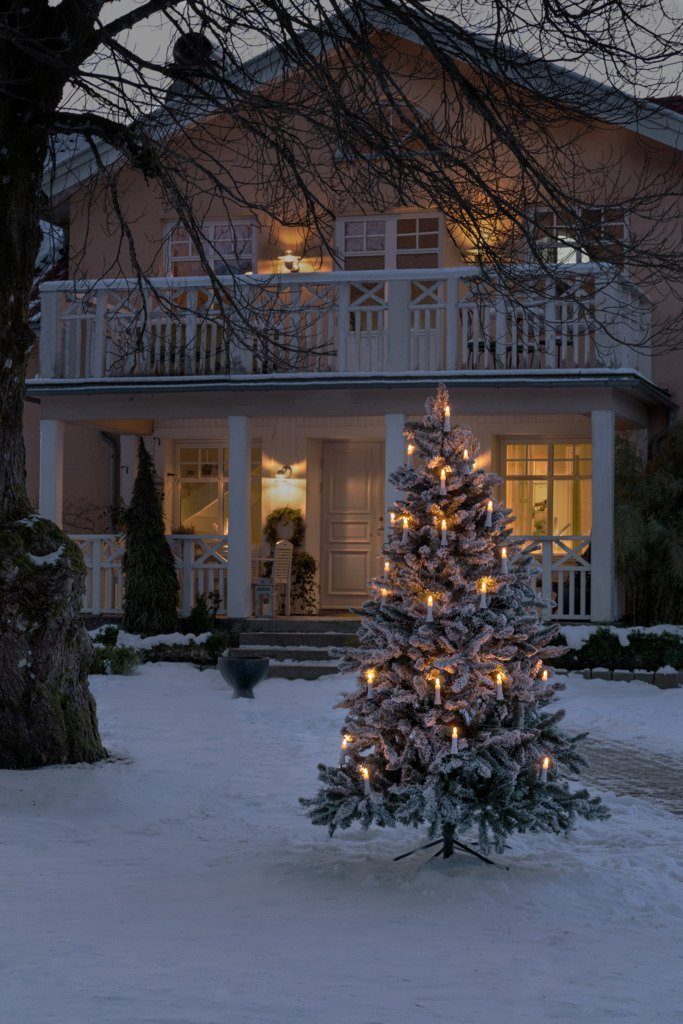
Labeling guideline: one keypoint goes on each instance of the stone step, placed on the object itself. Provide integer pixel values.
(314, 624)
(265, 639)
(316, 654)
(301, 670)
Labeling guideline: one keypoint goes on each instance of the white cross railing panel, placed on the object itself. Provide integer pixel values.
(563, 573)
(342, 322)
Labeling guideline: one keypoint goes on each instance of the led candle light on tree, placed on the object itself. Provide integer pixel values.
(447, 419)
(442, 483)
(437, 690)
(365, 775)
(544, 680)
(387, 567)
(346, 739)
(430, 608)
(370, 676)
(489, 514)
(415, 781)
(544, 768)
(500, 679)
(385, 593)
(504, 561)
(410, 451)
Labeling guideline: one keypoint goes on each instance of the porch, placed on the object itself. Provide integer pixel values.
(556, 470)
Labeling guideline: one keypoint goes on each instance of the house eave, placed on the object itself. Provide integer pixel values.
(629, 380)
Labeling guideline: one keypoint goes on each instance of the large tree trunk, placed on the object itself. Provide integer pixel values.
(47, 715)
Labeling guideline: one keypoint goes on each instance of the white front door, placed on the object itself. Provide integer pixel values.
(351, 521)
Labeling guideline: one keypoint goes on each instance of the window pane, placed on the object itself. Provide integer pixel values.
(529, 501)
(199, 507)
(571, 507)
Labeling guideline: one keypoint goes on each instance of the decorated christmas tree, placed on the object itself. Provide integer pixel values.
(151, 583)
(451, 725)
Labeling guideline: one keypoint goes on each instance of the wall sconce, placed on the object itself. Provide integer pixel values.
(284, 472)
(291, 262)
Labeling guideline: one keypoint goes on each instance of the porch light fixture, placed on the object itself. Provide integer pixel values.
(291, 262)
(284, 472)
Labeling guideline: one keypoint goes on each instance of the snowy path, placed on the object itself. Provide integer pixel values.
(639, 773)
(182, 884)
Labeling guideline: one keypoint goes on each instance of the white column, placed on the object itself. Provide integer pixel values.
(51, 487)
(129, 466)
(239, 515)
(394, 455)
(603, 586)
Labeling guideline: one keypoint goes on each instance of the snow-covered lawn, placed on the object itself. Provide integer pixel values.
(181, 883)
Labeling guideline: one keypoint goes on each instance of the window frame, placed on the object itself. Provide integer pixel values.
(604, 241)
(222, 481)
(391, 250)
(549, 477)
(213, 222)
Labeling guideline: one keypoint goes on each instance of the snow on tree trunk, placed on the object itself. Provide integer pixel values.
(47, 714)
(151, 581)
(451, 722)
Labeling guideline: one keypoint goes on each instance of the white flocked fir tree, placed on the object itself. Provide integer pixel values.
(451, 725)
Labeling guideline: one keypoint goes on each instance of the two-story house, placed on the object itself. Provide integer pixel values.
(318, 423)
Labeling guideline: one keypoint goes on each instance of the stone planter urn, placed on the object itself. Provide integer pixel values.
(243, 671)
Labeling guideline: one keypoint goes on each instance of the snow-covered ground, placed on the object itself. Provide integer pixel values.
(638, 714)
(180, 883)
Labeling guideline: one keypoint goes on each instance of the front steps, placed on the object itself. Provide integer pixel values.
(299, 648)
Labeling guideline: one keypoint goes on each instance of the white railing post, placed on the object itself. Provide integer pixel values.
(398, 353)
(547, 576)
(191, 337)
(239, 518)
(186, 560)
(451, 315)
(603, 586)
(96, 576)
(98, 367)
(50, 329)
(343, 326)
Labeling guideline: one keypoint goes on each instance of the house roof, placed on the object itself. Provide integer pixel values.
(657, 118)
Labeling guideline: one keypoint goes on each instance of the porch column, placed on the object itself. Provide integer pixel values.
(394, 455)
(603, 585)
(128, 467)
(51, 485)
(239, 515)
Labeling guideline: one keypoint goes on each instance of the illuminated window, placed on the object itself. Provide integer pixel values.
(548, 487)
(596, 234)
(201, 497)
(400, 241)
(228, 247)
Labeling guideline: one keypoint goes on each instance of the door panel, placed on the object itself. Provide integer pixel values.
(350, 528)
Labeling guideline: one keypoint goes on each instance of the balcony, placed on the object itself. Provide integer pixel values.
(353, 324)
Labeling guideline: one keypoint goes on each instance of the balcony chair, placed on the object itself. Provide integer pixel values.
(277, 587)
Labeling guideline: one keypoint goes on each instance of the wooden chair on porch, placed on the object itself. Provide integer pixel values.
(279, 583)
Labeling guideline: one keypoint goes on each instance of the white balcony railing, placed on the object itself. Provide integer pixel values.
(562, 563)
(369, 322)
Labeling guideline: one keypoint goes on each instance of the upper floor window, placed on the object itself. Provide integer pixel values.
(598, 234)
(395, 242)
(228, 247)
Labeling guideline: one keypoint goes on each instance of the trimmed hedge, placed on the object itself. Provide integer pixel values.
(112, 660)
(602, 649)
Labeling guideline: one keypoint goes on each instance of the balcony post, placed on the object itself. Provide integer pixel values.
(398, 329)
(239, 516)
(51, 486)
(603, 586)
(394, 455)
(49, 328)
(98, 339)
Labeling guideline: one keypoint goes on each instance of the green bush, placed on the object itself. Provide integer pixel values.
(602, 649)
(304, 572)
(202, 618)
(114, 661)
(107, 636)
